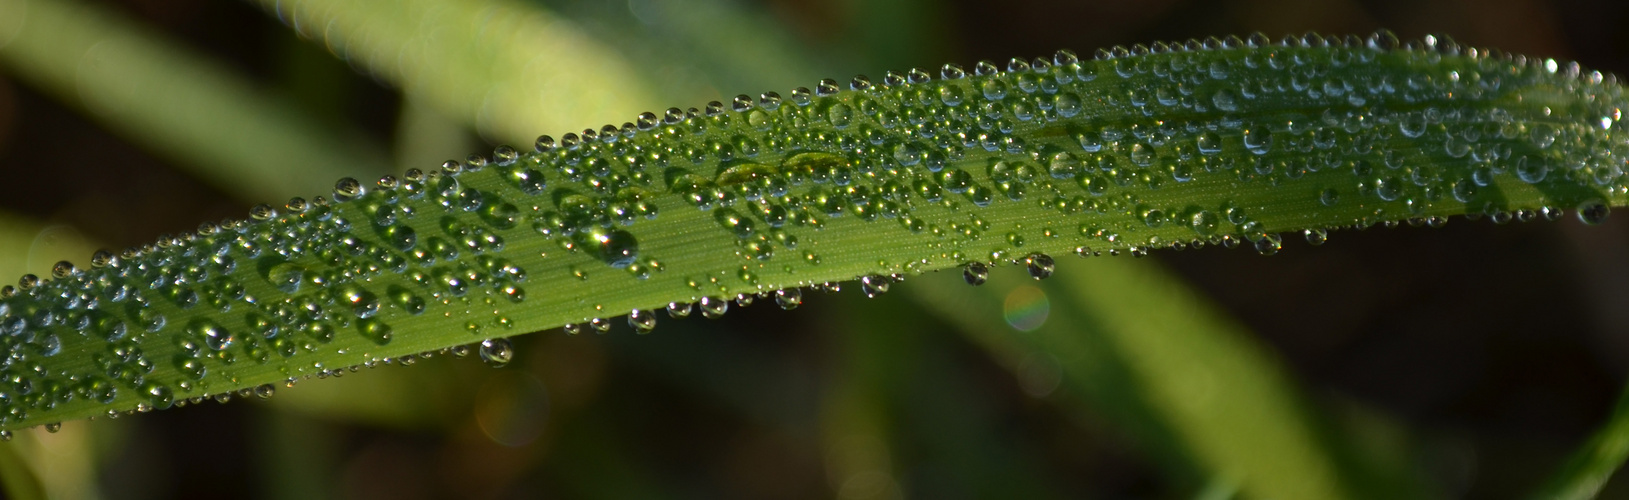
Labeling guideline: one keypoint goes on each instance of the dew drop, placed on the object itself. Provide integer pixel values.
(642, 321)
(1225, 100)
(617, 247)
(1316, 237)
(1593, 212)
(348, 189)
(713, 307)
(678, 309)
(840, 114)
(1209, 143)
(286, 276)
(872, 286)
(1040, 265)
(789, 298)
(160, 396)
(265, 391)
(374, 329)
(1269, 244)
(1531, 170)
(1329, 197)
(1204, 222)
(1142, 154)
(976, 273)
(1412, 126)
(214, 335)
(1258, 140)
(362, 302)
(497, 352)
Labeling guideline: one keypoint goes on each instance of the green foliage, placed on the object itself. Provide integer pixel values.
(1208, 143)
(1589, 468)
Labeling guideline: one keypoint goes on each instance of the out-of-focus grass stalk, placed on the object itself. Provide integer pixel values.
(512, 70)
(1146, 351)
(30, 246)
(17, 478)
(163, 96)
(904, 390)
(1593, 464)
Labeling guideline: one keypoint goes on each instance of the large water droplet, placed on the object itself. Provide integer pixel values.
(976, 273)
(873, 286)
(713, 307)
(214, 335)
(286, 276)
(1316, 237)
(678, 309)
(789, 298)
(642, 321)
(617, 247)
(1209, 143)
(1269, 244)
(497, 352)
(1040, 265)
(1258, 139)
(362, 302)
(1593, 212)
(1531, 170)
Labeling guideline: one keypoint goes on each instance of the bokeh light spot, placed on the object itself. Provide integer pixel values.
(1026, 308)
(512, 408)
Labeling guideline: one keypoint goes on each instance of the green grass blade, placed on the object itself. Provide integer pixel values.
(17, 479)
(1141, 349)
(511, 69)
(1185, 144)
(162, 95)
(1593, 464)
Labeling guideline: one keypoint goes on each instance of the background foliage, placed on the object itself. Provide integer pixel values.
(1466, 361)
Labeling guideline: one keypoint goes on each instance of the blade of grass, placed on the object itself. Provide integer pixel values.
(679, 44)
(510, 69)
(180, 104)
(1145, 351)
(1590, 467)
(31, 246)
(373, 267)
(17, 479)
(904, 372)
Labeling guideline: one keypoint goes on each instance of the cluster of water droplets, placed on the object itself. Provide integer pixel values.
(1223, 142)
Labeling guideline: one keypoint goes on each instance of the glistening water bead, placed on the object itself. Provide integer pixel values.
(497, 352)
(1211, 142)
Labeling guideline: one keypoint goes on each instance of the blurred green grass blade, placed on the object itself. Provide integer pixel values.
(298, 458)
(1146, 351)
(891, 33)
(679, 44)
(512, 70)
(31, 246)
(1594, 463)
(905, 374)
(167, 98)
(17, 479)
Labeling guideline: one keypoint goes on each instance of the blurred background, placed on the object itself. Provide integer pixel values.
(1462, 362)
